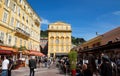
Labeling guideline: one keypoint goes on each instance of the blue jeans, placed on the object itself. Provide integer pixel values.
(4, 73)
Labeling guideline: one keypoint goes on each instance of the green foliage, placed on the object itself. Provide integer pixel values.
(44, 33)
(73, 59)
(21, 48)
(15, 47)
(77, 41)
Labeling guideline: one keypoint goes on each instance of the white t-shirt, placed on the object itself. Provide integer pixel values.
(5, 64)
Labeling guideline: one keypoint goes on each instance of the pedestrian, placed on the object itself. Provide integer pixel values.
(45, 62)
(92, 65)
(86, 71)
(5, 64)
(49, 62)
(106, 68)
(32, 65)
(11, 63)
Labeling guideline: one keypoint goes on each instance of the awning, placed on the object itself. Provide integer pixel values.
(5, 52)
(115, 45)
(25, 52)
(36, 53)
(8, 49)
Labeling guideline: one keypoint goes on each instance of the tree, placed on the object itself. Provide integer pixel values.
(44, 33)
(77, 41)
(73, 60)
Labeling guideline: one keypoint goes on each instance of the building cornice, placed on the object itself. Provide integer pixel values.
(59, 30)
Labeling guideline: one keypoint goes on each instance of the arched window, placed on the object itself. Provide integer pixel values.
(52, 27)
(66, 28)
(67, 40)
(57, 41)
(52, 40)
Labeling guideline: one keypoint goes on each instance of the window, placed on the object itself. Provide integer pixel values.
(9, 39)
(14, 7)
(51, 27)
(57, 41)
(52, 40)
(66, 28)
(23, 27)
(20, 1)
(24, 43)
(18, 24)
(20, 42)
(67, 48)
(18, 11)
(5, 17)
(1, 36)
(12, 21)
(23, 17)
(57, 48)
(15, 40)
(62, 48)
(27, 19)
(7, 2)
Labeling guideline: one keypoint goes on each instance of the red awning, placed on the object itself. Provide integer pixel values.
(8, 49)
(36, 53)
(5, 52)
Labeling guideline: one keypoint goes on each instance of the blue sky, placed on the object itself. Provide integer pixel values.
(86, 17)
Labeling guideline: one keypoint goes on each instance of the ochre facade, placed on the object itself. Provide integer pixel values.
(59, 39)
(19, 25)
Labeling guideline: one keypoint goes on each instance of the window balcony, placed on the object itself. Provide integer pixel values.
(21, 31)
(37, 22)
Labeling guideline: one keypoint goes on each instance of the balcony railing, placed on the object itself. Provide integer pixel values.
(18, 29)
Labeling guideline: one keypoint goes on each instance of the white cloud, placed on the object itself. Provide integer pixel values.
(45, 21)
(116, 13)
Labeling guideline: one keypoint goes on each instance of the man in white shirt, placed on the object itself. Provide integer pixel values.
(5, 65)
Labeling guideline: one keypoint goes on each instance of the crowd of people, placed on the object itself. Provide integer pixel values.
(8, 64)
(99, 66)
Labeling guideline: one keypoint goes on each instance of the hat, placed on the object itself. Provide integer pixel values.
(106, 58)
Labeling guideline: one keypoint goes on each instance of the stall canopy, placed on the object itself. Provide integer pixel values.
(26, 52)
(7, 50)
(115, 45)
(36, 53)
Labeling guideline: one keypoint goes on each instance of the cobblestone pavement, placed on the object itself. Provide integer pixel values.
(24, 71)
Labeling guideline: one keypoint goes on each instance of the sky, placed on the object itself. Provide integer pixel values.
(86, 17)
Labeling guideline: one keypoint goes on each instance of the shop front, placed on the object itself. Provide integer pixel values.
(7, 51)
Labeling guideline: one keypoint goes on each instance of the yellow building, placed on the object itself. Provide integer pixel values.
(19, 25)
(59, 39)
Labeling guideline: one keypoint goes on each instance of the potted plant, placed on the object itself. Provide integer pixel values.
(73, 60)
(21, 48)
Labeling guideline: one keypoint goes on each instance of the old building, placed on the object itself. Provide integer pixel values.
(59, 39)
(106, 43)
(19, 25)
(111, 36)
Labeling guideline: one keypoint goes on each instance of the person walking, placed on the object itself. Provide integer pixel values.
(106, 67)
(5, 65)
(11, 63)
(32, 65)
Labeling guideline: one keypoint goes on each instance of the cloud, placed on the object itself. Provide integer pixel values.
(116, 13)
(45, 21)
